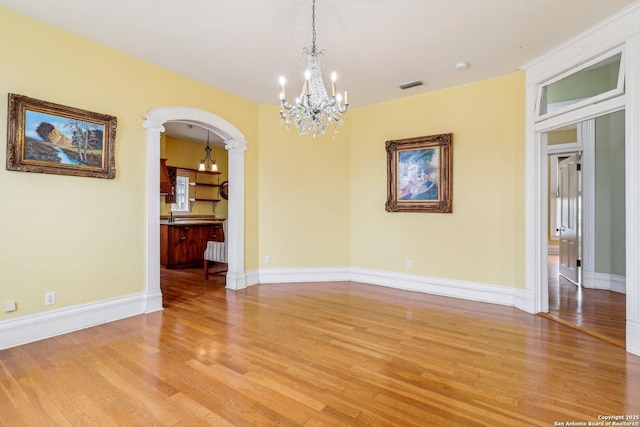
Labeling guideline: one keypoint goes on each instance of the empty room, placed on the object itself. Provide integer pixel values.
(320, 212)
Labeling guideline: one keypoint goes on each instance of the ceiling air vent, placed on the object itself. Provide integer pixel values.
(411, 84)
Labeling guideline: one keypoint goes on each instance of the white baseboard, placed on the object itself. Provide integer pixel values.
(35, 327)
(253, 277)
(154, 302)
(314, 274)
(493, 294)
(553, 250)
(609, 282)
(525, 300)
(619, 284)
(633, 337)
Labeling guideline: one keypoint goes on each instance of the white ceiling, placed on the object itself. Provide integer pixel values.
(243, 47)
(193, 133)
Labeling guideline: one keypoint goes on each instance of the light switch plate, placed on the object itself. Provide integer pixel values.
(9, 306)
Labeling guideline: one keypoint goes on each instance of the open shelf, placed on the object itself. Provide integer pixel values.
(202, 199)
(202, 184)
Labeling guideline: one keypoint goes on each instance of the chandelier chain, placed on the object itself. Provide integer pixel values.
(313, 26)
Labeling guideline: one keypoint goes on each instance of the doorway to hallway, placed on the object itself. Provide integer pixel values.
(586, 235)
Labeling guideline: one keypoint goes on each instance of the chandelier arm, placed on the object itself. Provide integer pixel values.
(286, 105)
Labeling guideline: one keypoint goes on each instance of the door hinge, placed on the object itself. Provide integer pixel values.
(579, 263)
(579, 166)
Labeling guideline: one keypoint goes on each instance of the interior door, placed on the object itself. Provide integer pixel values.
(569, 185)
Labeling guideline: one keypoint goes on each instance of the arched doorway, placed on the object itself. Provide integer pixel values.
(236, 145)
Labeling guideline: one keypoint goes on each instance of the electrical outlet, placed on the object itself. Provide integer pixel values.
(50, 298)
(409, 264)
(267, 260)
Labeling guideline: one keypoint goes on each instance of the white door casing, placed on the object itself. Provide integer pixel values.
(621, 29)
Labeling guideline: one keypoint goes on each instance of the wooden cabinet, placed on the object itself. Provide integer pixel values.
(183, 245)
(166, 187)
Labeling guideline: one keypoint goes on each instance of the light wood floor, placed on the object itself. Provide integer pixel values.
(593, 311)
(317, 354)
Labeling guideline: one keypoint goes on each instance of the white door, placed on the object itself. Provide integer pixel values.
(569, 185)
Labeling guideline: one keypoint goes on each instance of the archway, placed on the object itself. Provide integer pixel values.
(236, 145)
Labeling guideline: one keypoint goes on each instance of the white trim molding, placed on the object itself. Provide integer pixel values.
(154, 295)
(633, 337)
(30, 328)
(311, 274)
(253, 277)
(632, 188)
(587, 138)
(607, 282)
(479, 292)
(236, 276)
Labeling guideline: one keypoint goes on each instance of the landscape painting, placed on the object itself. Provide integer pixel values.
(51, 138)
(419, 174)
(62, 140)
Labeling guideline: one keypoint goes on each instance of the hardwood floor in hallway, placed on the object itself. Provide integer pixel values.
(317, 354)
(597, 312)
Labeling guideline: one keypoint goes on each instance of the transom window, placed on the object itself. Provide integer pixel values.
(594, 81)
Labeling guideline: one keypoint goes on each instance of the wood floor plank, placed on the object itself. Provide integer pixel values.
(9, 415)
(94, 412)
(40, 400)
(30, 415)
(194, 414)
(9, 386)
(153, 406)
(72, 410)
(317, 354)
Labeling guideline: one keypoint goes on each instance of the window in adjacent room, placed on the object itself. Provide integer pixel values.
(182, 195)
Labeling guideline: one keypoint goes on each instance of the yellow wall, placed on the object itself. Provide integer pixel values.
(85, 237)
(303, 196)
(308, 203)
(483, 239)
(187, 155)
(562, 136)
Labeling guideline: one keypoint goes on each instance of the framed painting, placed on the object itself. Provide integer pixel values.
(419, 174)
(45, 137)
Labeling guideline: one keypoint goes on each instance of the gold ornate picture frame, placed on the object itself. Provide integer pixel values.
(44, 137)
(419, 174)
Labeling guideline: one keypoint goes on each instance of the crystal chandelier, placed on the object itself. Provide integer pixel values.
(314, 110)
